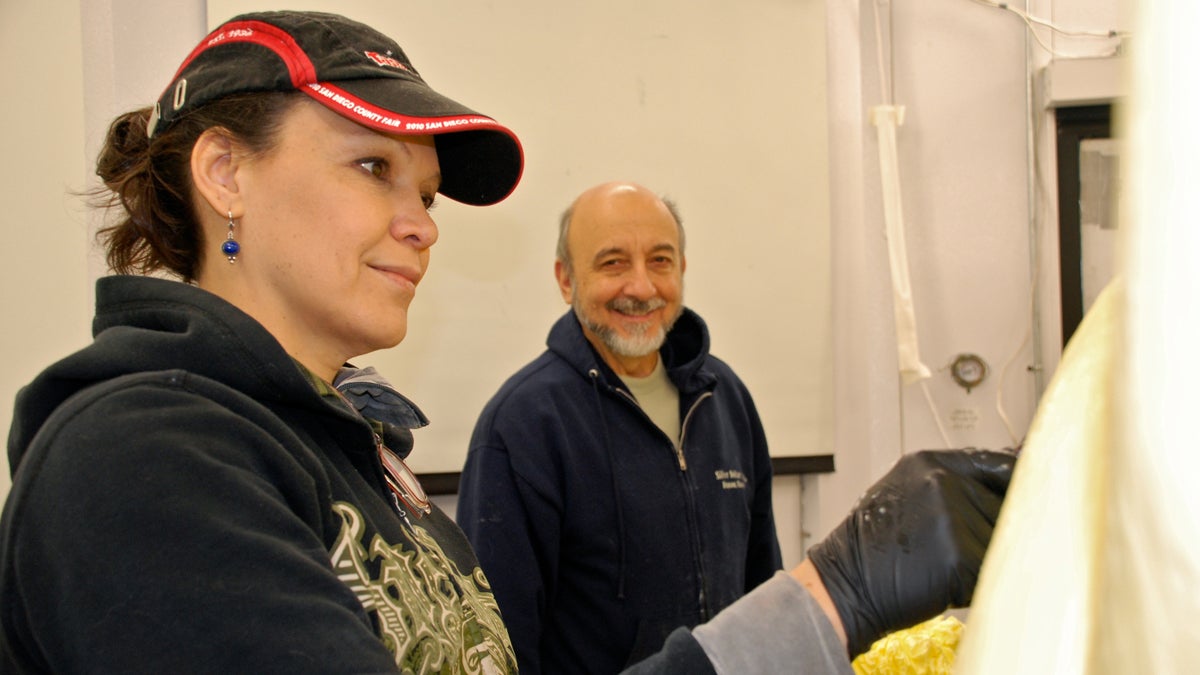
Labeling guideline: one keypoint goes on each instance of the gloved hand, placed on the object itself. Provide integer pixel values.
(914, 543)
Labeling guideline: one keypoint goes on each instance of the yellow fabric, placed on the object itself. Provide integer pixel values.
(1037, 594)
(1103, 581)
(925, 649)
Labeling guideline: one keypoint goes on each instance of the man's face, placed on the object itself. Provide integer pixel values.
(626, 281)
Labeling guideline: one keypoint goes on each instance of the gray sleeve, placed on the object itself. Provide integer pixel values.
(776, 628)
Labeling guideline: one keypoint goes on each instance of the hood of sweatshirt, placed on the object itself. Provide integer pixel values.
(144, 324)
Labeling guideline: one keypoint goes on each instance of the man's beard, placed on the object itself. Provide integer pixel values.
(642, 340)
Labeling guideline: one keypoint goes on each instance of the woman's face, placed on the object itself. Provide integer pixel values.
(335, 235)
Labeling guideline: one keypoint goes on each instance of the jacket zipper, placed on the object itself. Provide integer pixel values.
(676, 447)
(683, 429)
(703, 598)
(697, 556)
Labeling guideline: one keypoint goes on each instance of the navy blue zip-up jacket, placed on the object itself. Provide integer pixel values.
(598, 534)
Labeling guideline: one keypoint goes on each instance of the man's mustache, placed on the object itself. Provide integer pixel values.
(628, 305)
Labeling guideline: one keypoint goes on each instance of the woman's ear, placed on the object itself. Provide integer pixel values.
(214, 172)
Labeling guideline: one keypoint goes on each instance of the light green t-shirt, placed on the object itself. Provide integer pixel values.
(659, 398)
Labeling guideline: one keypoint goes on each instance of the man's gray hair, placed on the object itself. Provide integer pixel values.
(564, 224)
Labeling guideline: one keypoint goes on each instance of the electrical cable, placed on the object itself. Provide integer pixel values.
(933, 410)
(1016, 440)
(1033, 332)
(1039, 189)
(1037, 192)
(1032, 22)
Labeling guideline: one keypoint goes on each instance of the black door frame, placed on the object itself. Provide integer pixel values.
(1075, 124)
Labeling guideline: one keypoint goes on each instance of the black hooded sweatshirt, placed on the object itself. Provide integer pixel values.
(186, 499)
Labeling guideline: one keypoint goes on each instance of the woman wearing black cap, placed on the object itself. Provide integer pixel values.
(210, 486)
(183, 485)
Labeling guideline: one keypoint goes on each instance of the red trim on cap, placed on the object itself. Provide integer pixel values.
(346, 104)
(276, 39)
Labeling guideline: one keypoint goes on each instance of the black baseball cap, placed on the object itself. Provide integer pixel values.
(357, 72)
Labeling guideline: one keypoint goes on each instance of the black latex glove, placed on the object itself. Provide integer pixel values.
(913, 545)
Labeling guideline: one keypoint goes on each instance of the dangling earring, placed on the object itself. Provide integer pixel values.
(230, 247)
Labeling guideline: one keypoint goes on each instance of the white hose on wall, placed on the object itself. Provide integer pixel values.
(886, 118)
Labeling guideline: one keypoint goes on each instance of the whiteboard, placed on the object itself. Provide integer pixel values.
(719, 105)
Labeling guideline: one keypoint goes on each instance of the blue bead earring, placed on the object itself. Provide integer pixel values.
(230, 247)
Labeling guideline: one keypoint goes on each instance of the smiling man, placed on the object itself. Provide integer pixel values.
(627, 289)
(618, 486)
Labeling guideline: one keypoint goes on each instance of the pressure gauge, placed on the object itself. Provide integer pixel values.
(968, 370)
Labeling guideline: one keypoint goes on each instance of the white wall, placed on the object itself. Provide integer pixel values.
(82, 64)
(719, 105)
(46, 296)
(961, 70)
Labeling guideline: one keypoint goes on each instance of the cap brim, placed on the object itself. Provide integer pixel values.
(481, 160)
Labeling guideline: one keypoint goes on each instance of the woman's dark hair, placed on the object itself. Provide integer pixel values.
(150, 179)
